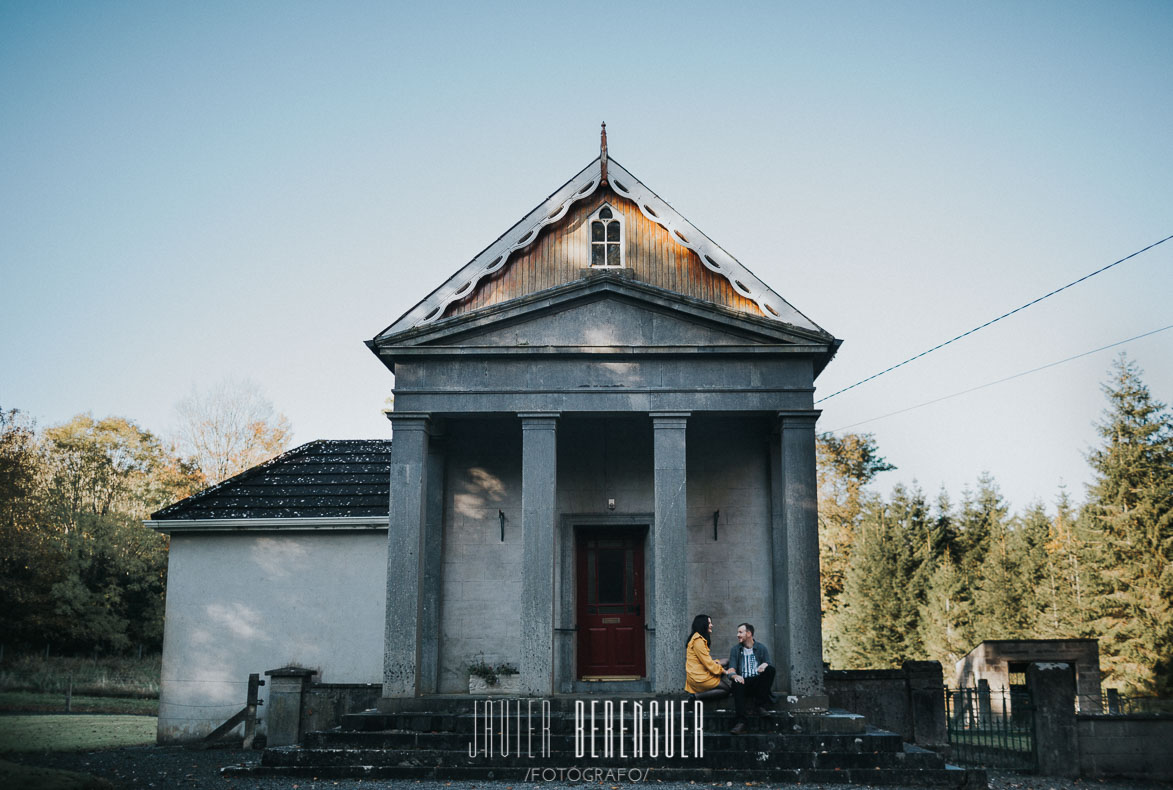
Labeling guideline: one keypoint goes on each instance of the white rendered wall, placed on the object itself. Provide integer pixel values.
(252, 601)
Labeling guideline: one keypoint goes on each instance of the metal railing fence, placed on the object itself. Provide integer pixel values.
(993, 728)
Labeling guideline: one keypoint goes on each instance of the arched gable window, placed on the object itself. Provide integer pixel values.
(606, 237)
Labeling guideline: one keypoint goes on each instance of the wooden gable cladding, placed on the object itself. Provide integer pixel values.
(562, 252)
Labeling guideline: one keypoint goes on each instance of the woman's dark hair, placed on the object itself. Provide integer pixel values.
(700, 625)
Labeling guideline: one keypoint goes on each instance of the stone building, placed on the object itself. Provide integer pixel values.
(603, 426)
(1003, 664)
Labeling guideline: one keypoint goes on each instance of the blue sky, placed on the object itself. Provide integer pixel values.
(190, 191)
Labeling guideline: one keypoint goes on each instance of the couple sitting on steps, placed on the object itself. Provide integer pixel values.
(747, 674)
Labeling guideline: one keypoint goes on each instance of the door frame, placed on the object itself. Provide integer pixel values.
(565, 634)
(635, 621)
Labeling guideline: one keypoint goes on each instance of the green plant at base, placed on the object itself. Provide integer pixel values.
(488, 673)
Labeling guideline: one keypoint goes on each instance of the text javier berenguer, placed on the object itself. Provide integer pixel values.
(602, 728)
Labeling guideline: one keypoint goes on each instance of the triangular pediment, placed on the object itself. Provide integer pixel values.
(552, 248)
(603, 310)
(607, 322)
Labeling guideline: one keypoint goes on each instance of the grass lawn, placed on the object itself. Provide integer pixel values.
(70, 733)
(25, 777)
(38, 702)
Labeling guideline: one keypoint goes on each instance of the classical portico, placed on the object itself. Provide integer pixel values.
(603, 426)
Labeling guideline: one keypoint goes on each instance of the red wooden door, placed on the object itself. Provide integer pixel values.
(610, 571)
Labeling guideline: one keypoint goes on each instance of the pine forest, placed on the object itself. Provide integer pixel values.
(909, 576)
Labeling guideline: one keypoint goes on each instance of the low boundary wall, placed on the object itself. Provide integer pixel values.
(909, 701)
(1137, 746)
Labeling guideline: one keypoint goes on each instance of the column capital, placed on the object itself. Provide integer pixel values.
(799, 419)
(530, 420)
(669, 419)
(409, 420)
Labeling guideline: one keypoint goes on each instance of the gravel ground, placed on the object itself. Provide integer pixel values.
(163, 768)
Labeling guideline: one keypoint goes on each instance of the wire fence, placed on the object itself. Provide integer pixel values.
(79, 684)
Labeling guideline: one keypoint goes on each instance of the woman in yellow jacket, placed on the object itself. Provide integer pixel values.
(701, 672)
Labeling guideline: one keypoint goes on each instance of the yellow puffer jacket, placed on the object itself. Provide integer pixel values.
(701, 672)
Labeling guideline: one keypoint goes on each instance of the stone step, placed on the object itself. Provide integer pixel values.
(872, 741)
(748, 759)
(950, 776)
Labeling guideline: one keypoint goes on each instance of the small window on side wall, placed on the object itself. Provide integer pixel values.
(606, 227)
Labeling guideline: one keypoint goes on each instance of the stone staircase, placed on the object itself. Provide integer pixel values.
(430, 738)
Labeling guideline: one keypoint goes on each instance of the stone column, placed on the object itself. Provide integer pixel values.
(800, 517)
(779, 567)
(405, 553)
(432, 562)
(539, 488)
(671, 595)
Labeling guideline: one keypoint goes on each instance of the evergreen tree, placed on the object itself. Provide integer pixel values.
(1002, 604)
(846, 465)
(881, 612)
(983, 515)
(1069, 568)
(910, 511)
(946, 626)
(1129, 515)
(1039, 579)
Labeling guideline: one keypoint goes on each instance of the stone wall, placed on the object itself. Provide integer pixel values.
(909, 701)
(324, 704)
(991, 659)
(1136, 747)
(480, 598)
(1093, 746)
(730, 578)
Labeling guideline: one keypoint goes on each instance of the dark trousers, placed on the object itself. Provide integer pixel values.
(755, 690)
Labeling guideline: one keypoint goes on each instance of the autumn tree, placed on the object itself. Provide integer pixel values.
(229, 428)
(79, 570)
(24, 553)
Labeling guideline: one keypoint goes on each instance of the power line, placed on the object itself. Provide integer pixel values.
(995, 320)
(999, 381)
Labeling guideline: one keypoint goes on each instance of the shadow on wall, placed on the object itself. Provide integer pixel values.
(479, 491)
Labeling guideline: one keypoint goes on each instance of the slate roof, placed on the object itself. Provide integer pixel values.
(324, 479)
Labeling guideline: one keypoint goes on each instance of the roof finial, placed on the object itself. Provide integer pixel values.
(603, 151)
